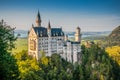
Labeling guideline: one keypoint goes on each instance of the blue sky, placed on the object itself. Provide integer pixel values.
(90, 15)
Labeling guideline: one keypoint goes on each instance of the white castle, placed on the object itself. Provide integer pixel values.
(53, 40)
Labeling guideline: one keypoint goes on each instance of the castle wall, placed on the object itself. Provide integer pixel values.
(51, 40)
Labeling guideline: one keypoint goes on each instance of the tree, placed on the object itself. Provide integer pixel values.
(97, 65)
(23, 55)
(28, 66)
(8, 66)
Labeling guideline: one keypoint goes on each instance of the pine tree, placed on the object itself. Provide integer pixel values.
(8, 66)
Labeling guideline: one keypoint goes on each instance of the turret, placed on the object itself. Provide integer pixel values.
(49, 29)
(32, 25)
(38, 20)
(66, 37)
(77, 35)
(49, 26)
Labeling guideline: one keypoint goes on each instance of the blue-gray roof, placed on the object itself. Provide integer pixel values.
(72, 42)
(42, 31)
(57, 32)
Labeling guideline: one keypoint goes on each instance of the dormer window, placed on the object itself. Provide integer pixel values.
(41, 33)
(61, 33)
(56, 34)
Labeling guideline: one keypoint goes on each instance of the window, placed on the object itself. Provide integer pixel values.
(32, 45)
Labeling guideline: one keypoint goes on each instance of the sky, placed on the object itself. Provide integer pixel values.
(89, 15)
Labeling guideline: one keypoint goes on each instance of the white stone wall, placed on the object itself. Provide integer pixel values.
(43, 45)
(51, 45)
(69, 52)
(74, 53)
(64, 55)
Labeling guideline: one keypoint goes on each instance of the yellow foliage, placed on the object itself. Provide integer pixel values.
(27, 65)
(102, 77)
(34, 65)
(44, 60)
(114, 52)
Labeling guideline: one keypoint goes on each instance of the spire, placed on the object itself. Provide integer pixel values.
(32, 25)
(49, 26)
(38, 20)
(61, 27)
(78, 28)
(2, 21)
(38, 15)
(49, 29)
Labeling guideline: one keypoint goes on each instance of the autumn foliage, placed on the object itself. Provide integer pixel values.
(114, 52)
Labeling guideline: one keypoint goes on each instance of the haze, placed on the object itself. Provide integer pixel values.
(90, 15)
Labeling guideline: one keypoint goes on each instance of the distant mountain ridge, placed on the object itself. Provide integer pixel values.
(115, 33)
(114, 37)
(23, 33)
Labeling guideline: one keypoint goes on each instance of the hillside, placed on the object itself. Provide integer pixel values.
(114, 37)
(115, 33)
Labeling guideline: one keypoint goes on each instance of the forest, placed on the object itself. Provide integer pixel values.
(97, 63)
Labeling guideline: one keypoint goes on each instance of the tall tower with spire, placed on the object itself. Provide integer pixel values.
(49, 29)
(49, 26)
(52, 40)
(38, 20)
(49, 39)
(77, 35)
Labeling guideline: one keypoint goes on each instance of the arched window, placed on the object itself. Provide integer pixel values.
(32, 45)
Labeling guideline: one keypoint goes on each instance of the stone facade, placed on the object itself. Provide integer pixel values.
(53, 40)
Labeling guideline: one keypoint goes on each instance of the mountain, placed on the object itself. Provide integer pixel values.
(24, 33)
(114, 37)
(115, 33)
(21, 33)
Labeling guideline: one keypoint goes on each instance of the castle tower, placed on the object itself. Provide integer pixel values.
(32, 25)
(49, 29)
(49, 39)
(77, 35)
(38, 20)
(49, 26)
(66, 37)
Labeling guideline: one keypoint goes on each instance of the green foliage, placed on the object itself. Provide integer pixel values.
(96, 64)
(28, 67)
(6, 37)
(43, 59)
(20, 44)
(57, 68)
(8, 66)
(47, 68)
(21, 55)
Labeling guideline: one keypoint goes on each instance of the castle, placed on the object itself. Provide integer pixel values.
(53, 40)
